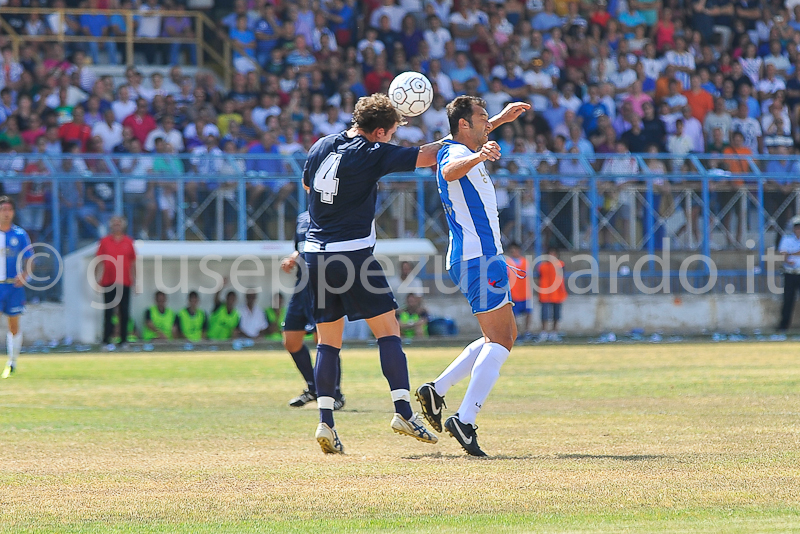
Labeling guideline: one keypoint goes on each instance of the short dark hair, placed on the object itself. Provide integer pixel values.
(193, 294)
(376, 111)
(5, 199)
(461, 108)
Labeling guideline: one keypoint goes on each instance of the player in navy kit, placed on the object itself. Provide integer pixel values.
(299, 322)
(15, 265)
(341, 174)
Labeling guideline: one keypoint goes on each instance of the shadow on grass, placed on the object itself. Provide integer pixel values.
(620, 457)
(440, 456)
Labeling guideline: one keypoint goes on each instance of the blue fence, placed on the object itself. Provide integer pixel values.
(589, 204)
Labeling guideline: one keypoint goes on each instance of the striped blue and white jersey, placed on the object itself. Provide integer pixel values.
(470, 204)
(13, 244)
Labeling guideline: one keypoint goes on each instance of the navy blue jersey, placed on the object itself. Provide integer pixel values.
(343, 174)
(300, 232)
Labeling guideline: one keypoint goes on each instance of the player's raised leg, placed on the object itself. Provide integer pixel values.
(431, 394)
(394, 365)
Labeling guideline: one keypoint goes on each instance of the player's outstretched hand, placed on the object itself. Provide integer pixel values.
(490, 151)
(512, 111)
(287, 264)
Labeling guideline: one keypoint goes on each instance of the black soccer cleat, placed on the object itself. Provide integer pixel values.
(465, 434)
(431, 403)
(304, 398)
(338, 402)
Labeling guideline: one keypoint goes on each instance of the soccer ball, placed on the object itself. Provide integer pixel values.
(411, 93)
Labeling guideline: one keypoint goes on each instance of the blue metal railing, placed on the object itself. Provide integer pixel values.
(236, 177)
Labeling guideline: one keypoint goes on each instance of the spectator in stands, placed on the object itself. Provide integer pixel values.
(77, 130)
(243, 41)
(140, 121)
(149, 27)
(718, 118)
(770, 84)
(123, 106)
(178, 27)
(96, 25)
(168, 132)
(167, 165)
(679, 144)
(750, 129)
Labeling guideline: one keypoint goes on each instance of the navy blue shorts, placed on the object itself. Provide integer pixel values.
(12, 299)
(300, 313)
(348, 283)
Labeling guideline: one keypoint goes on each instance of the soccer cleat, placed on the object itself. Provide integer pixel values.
(338, 402)
(431, 403)
(7, 371)
(465, 435)
(328, 439)
(413, 427)
(304, 398)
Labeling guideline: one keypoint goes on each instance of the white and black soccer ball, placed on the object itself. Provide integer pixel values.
(411, 93)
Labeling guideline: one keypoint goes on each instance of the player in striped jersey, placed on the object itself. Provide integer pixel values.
(475, 262)
(15, 264)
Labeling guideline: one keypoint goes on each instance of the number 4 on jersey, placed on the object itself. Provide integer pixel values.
(325, 181)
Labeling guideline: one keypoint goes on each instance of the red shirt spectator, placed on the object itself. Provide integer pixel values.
(141, 122)
(374, 80)
(120, 251)
(76, 131)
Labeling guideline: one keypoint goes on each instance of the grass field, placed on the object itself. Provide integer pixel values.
(581, 439)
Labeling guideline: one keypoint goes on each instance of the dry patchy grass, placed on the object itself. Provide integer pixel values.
(611, 438)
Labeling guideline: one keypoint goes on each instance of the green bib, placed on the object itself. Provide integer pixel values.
(192, 325)
(406, 317)
(162, 321)
(221, 323)
(272, 318)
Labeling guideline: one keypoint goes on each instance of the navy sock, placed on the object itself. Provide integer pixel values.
(302, 359)
(325, 372)
(339, 379)
(395, 369)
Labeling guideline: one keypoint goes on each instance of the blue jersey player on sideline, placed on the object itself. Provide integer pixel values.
(341, 174)
(475, 262)
(15, 265)
(299, 322)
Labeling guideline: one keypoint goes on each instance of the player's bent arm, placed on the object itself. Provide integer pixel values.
(427, 153)
(458, 168)
(510, 113)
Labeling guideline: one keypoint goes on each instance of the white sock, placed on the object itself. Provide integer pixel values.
(484, 375)
(13, 346)
(460, 368)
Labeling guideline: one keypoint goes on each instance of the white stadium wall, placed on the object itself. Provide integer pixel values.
(177, 267)
(586, 314)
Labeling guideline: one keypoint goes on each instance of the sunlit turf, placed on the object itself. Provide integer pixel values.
(583, 439)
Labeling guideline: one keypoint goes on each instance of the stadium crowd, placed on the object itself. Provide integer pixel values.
(636, 76)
